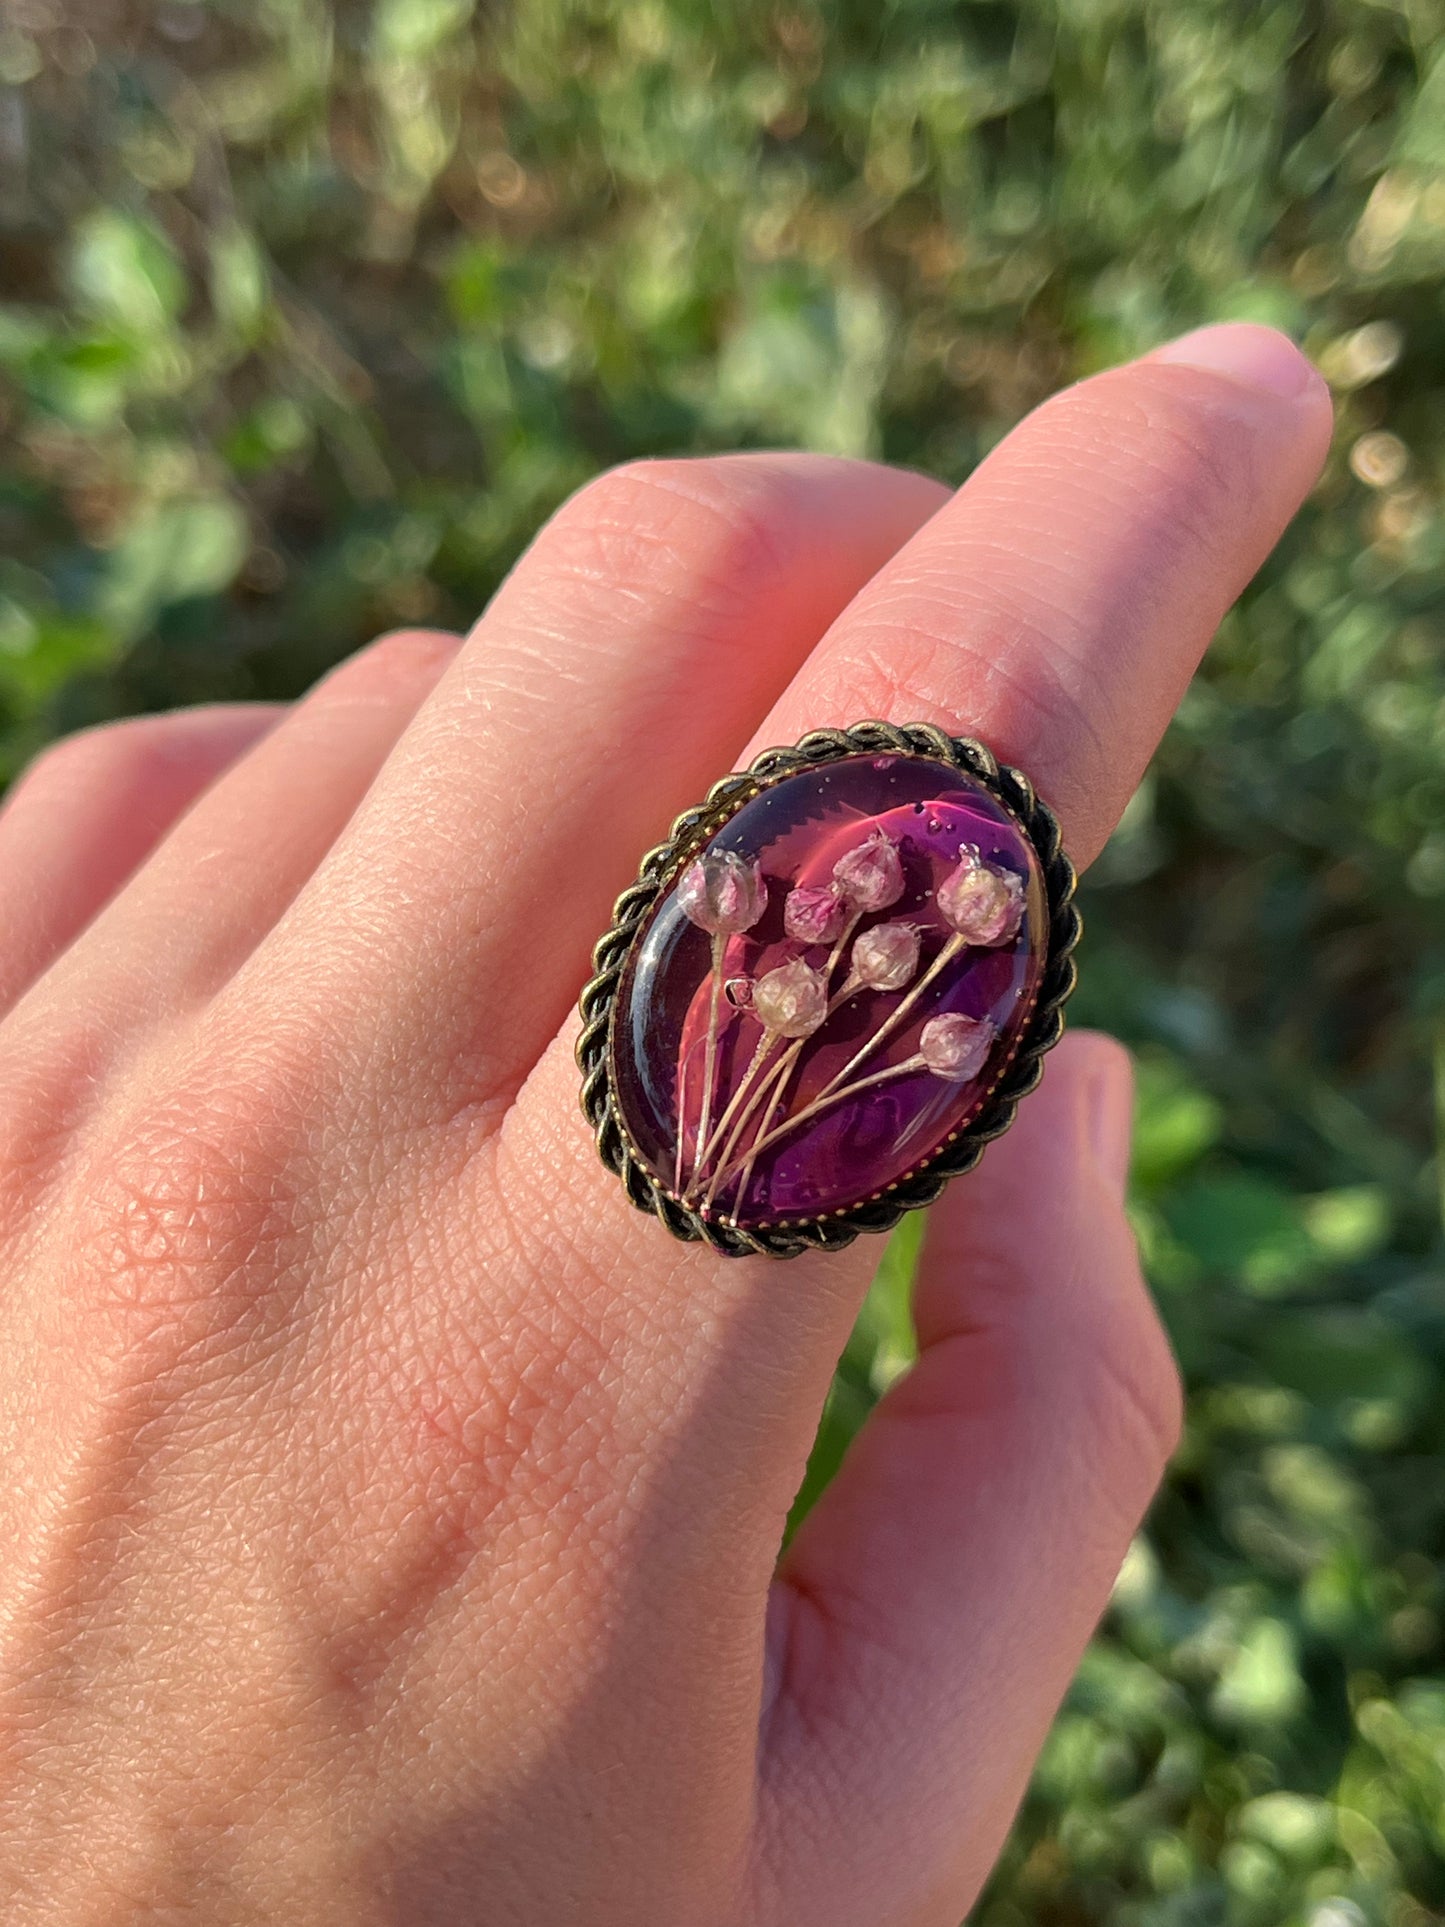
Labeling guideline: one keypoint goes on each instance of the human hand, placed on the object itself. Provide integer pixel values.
(392, 1514)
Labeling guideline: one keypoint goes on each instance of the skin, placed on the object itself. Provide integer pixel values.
(391, 1522)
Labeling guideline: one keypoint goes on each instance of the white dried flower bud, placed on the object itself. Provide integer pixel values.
(886, 957)
(814, 915)
(792, 1000)
(871, 876)
(723, 893)
(956, 1047)
(984, 905)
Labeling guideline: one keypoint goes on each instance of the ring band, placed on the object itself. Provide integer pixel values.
(829, 989)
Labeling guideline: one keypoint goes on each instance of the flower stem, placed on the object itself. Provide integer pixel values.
(765, 1093)
(681, 1121)
(838, 1087)
(836, 954)
(713, 1146)
(837, 1094)
(900, 1010)
(772, 1098)
(710, 1144)
(777, 1081)
(709, 1063)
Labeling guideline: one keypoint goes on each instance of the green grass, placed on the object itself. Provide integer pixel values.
(311, 316)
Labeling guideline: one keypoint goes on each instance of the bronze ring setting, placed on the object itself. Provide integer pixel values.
(829, 989)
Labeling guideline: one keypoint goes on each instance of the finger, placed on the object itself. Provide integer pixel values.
(1161, 485)
(932, 1609)
(1055, 607)
(90, 810)
(229, 868)
(610, 681)
(1058, 607)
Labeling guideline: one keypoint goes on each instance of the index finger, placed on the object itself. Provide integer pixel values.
(1059, 604)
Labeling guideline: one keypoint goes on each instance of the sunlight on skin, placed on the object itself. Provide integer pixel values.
(392, 1513)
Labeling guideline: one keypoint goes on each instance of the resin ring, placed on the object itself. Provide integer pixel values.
(828, 989)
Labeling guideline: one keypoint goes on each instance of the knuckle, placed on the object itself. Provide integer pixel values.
(495, 1447)
(393, 665)
(1191, 475)
(509, 1415)
(721, 517)
(1010, 671)
(48, 1080)
(96, 755)
(539, 1435)
(1132, 1390)
(517, 1418)
(1094, 1355)
(184, 1221)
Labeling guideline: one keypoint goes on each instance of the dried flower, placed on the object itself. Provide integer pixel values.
(985, 906)
(792, 1000)
(815, 915)
(871, 876)
(723, 893)
(886, 957)
(956, 1047)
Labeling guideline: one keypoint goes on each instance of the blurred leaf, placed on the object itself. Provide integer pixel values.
(125, 271)
(179, 550)
(1175, 1121)
(238, 281)
(410, 29)
(884, 1332)
(1238, 1225)
(1338, 1353)
(1297, 1827)
(1260, 1682)
(1348, 1224)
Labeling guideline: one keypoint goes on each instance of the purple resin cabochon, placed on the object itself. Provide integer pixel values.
(847, 1150)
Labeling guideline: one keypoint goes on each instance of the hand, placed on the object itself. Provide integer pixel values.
(391, 1513)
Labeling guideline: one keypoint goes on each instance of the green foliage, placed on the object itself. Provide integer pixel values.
(310, 315)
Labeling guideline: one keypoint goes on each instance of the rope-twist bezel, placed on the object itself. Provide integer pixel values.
(695, 828)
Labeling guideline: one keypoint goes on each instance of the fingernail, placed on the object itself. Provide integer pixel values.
(1111, 1117)
(1258, 357)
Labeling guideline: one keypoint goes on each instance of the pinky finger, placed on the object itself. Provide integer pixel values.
(90, 810)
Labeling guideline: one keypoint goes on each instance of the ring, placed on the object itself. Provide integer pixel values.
(829, 989)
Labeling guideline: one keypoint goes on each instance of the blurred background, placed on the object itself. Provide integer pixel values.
(310, 313)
